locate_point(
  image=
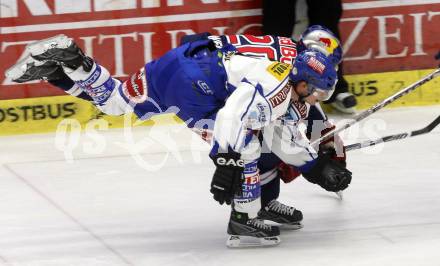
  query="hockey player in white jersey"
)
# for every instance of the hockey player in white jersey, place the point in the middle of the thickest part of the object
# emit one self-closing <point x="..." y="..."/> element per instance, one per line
<point x="271" y="168"/>
<point x="249" y="100"/>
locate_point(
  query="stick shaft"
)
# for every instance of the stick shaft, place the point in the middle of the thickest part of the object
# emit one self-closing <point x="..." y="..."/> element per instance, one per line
<point x="393" y="137"/>
<point x="379" y="106"/>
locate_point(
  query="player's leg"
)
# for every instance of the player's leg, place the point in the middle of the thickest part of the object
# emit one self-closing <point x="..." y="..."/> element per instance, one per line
<point x="279" y="17"/>
<point x="286" y="216"/>
<point x="325" y="13"/>
<point x="341" y="99"/>
<point x="273" y="210"/>
<point x="91" y="78"/>
<point x="328" y="13"/>
<point x="245" y="228"/>
<point x="30" y="69"/>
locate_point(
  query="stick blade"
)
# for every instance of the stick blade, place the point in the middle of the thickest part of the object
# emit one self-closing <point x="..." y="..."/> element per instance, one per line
<point x="428" y="128"/>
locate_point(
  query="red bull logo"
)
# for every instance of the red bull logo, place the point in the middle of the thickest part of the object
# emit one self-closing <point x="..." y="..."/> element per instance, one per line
<point x="330" y="44"/>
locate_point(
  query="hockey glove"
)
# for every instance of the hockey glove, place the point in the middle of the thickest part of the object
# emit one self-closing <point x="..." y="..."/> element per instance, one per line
<point x="329" y="174"/>
<point x="333" y="145"/>
<point x="227" y="180"/>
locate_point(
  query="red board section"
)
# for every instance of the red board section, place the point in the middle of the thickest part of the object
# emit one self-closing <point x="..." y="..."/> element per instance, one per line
<point x="122" y="40"/>
<point x="394" y="38"/>
<point x="125" y="34"/>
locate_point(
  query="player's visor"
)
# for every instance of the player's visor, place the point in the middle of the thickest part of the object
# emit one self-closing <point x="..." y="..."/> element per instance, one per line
<point x="320" y="94"/>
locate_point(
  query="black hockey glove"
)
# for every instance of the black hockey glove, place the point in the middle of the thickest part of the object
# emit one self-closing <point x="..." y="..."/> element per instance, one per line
<point x="227" y="180"/>
<point x="329" y="174"/>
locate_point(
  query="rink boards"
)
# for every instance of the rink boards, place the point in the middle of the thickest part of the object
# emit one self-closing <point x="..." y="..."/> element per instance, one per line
<point x="48" y="114"/>
<point x="378" y="36"/>
<point x="388" y="46"/>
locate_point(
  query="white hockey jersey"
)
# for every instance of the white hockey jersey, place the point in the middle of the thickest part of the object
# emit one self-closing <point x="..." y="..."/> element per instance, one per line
<point x="262" y="95"/>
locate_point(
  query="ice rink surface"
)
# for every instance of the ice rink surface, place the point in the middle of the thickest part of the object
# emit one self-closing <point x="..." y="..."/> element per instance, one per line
<point x="102" y="206"/>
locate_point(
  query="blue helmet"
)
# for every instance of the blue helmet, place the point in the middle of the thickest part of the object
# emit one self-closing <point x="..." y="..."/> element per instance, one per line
<point x="316" y="69"/>
<point x="321" y="39"/>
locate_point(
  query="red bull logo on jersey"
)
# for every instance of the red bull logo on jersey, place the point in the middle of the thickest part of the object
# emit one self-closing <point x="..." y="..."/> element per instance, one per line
<point x="316" y="65"/>
<point x="330" y="44"/>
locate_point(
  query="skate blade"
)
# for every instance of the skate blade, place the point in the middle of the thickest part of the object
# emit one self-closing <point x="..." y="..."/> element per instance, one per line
<point x="60" y="41"/>
<point x="292" y="226"/>
<point x="235" y="241"/>
<point x="340" y="195"/>
<point x="18" y="70"/>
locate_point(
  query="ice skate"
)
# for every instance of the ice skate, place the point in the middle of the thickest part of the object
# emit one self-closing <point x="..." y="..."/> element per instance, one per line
<point x="345" y="102"/>
<point x="288" y="217"/>
<point x="60" y="49"/>
<point x="29" y="69"/>
<point x="245" y="232"/>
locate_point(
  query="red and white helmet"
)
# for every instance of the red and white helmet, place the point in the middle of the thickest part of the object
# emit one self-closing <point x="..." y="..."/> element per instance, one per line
<point x="319" y="38"/>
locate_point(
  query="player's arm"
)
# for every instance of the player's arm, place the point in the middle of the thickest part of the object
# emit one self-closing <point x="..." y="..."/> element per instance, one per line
<point x="62" y="63"/>
<point x="233" y="120"/>
<point x="318" y="125"/>
<point x="317" y="167"/>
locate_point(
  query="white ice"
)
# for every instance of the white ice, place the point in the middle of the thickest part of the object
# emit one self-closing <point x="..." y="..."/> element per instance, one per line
<point x="109" y="209"/>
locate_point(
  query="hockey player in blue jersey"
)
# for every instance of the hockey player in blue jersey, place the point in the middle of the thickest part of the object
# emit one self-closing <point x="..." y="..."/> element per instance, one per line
<point x="240" y="95"/>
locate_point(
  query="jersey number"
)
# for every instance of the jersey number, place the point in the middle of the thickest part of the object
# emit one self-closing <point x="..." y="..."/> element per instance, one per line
<point x="259" y="46"/>
<point x="264" y="46"/>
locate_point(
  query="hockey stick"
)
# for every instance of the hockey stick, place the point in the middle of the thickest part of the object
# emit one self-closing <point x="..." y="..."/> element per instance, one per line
<point x="378" y="106"/>
<point x="404" y="135"/>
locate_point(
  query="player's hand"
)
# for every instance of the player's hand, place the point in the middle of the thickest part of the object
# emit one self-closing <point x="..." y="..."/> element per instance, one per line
<point x="227" y="178"/>
<point x="333" y="146"/>
<point x="328" y="173"/>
